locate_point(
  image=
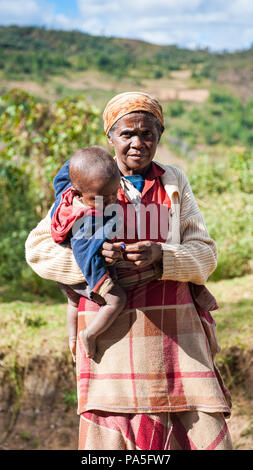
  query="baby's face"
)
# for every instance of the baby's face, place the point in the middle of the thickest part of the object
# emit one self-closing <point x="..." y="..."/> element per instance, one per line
<point x="100" y="194"/>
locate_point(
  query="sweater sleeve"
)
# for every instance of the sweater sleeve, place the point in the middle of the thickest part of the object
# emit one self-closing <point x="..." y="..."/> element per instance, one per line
<point x="195" y="258"/>
<point x="48" y="259"/>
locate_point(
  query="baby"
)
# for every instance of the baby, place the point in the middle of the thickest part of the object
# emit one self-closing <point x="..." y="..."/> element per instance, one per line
<point x="93" y="173"/>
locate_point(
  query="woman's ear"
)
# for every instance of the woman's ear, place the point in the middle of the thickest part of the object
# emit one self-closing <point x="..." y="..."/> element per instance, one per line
<point x="109" y="139"/>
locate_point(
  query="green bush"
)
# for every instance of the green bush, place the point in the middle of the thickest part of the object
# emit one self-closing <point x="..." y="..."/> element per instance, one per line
<point x="222" y="120"/>
<point x="211" y="176"/>
<point x="40" y="137"/>
<point x="175" y="108"/>
<point x="158" y="74"/>
<point x="18" y="217"/>
<point x="229" y="221"/>
<point x="224" y="191"/>
<point x="34" y="63"/>
<point x="36" y="139"/>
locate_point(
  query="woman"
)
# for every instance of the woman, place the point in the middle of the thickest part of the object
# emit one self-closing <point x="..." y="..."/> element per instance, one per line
<point x="154" y="384"/>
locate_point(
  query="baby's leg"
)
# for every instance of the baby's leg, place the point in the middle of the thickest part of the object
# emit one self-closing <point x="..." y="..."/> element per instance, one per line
<point x="115" y="301"/>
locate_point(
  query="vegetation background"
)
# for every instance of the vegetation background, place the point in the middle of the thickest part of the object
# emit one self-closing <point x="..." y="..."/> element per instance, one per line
<point x="53" y="87"/>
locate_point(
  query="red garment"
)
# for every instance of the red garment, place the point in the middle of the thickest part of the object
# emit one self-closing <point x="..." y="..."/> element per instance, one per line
<point x="127" y="431"/>
<point x="66" y="215"/>
<point x="101" y="430"/>
<point x="153" y="194"/>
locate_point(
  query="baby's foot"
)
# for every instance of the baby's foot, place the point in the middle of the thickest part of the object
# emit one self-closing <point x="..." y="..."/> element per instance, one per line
<point x="89" y="343"/>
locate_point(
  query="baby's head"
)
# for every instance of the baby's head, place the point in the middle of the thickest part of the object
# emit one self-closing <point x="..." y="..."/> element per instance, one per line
<point x="93" y="172"/>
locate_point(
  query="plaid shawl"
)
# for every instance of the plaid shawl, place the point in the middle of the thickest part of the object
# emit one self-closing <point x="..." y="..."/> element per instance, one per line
<point x="191" y="430"/>
<point x="157" y="356"/>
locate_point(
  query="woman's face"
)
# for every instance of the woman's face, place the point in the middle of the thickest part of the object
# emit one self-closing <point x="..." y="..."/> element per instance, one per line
<point x="135" y="138"/>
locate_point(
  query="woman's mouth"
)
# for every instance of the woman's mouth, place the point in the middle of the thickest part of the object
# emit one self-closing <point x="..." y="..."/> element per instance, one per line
<point x="136" y="156"/>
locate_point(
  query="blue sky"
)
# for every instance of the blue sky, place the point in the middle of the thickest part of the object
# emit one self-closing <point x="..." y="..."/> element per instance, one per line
<point x="217" y="24"/>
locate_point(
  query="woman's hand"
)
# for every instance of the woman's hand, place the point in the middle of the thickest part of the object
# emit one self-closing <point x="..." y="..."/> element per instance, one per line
<point x="143" y="253"/>
<point x="112" y="252"/>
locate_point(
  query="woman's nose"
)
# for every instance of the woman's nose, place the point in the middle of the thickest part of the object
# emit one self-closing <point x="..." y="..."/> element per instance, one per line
<point x="136" y="141"/>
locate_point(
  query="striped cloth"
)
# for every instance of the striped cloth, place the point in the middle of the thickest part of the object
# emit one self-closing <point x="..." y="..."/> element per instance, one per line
<point x="156" y="357"/>
<point x="100" y="430"/>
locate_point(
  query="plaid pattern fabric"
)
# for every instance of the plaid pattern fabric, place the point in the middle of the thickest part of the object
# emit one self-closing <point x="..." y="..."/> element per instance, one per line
<point x="189" y="430"/>
<point x="156" y="356"/>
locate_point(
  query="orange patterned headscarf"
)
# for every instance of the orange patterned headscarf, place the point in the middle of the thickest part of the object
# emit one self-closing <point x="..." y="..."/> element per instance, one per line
<point x="128" y="102"/>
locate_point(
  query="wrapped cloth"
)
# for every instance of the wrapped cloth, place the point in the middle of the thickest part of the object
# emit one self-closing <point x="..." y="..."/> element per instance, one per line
<point x="129" y="102"/>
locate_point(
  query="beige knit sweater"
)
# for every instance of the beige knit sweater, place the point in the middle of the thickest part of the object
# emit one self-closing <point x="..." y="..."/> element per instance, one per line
<point x="189" y="254"/>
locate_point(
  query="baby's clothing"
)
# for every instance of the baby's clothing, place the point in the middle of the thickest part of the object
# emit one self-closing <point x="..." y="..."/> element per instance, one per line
<point x="85" y="229"/>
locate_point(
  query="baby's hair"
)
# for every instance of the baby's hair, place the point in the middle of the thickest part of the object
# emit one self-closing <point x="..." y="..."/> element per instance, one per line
<point x="91" y="162"/>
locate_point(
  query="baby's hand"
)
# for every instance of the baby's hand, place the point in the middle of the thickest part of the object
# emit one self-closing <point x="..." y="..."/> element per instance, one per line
<point x="72" y="347"/>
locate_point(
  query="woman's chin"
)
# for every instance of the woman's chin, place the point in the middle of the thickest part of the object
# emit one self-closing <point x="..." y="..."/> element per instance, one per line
<point x="138" y="163"/>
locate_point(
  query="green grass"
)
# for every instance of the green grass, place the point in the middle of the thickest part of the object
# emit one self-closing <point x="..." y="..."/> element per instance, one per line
<point x="30" y="329"/>
<point x="228" y="218"/>
<point x="70" y="398"/>
<point x="234" y="316"/>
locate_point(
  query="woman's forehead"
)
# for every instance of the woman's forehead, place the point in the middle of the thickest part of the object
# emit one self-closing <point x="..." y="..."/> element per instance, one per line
<point x="136" y="119"/>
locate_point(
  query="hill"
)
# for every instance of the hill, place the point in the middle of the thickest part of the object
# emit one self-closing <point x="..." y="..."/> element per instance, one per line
<point x="38" y="54"/>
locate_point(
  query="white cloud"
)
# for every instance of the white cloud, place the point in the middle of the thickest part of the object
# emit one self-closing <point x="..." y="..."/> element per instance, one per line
<point x="214" y="23"/>
<point x="97" y="7"/>
<point x="240" y="7"/>
<point x="88" y="7"/>
<point x="25" y="12"/>
<point x="15" y="7"/>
